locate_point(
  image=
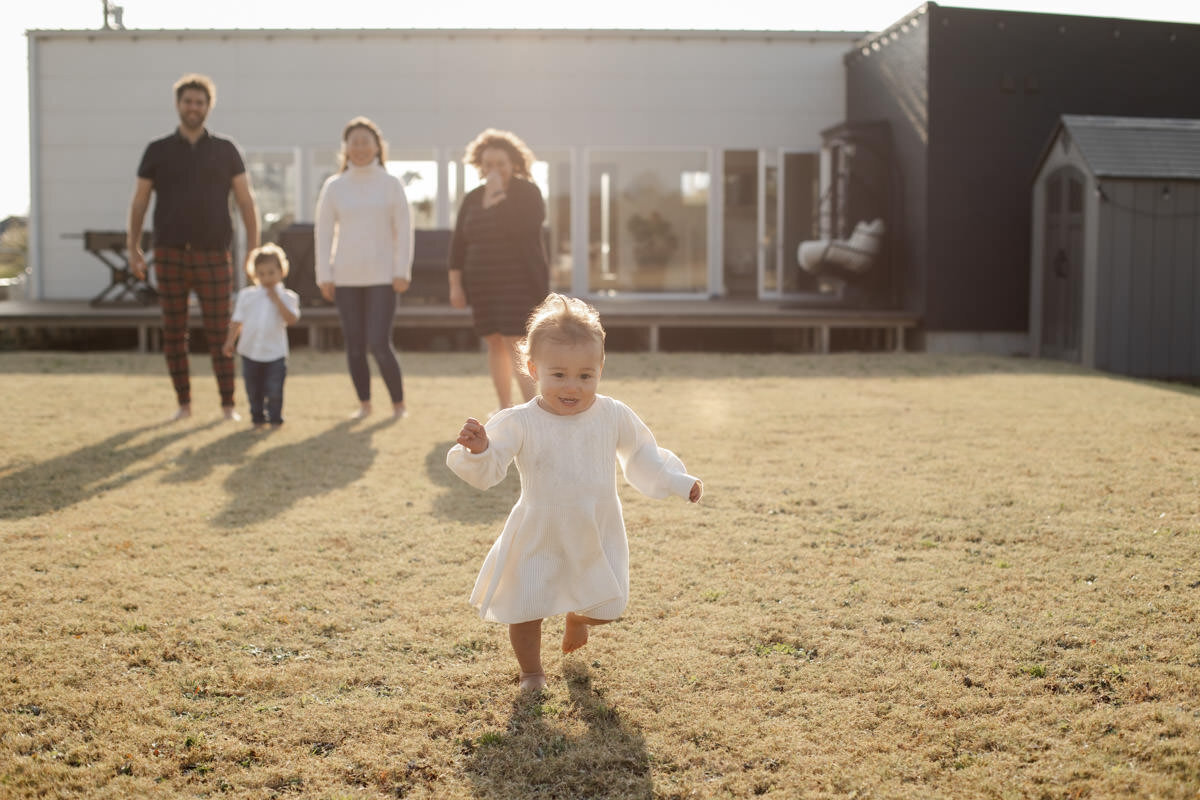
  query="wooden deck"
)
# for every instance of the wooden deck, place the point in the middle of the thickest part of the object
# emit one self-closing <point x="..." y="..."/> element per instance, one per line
<point x="321" y="322"/>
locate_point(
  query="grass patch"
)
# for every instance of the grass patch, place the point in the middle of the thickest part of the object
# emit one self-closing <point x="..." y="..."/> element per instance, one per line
<point x="911" y="576"/>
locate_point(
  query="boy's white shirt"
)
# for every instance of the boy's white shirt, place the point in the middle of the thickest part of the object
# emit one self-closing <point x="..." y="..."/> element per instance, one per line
<point x="264" y="331"/>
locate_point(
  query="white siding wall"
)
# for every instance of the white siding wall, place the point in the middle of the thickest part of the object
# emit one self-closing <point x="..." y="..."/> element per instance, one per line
<point x="98" y="97"/>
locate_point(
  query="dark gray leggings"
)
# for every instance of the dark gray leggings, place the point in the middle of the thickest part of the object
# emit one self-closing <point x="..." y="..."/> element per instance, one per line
<point x="366" y="313"/>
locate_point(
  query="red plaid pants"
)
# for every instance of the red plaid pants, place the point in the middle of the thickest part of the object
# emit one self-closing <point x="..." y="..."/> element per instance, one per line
<point x="209" y="273"/>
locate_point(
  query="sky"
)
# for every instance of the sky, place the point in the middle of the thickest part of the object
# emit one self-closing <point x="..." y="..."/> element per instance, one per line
<point x="856" y="15"/>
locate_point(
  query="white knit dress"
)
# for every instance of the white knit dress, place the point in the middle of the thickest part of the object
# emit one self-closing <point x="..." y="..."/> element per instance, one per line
<point x="563" y="547"/>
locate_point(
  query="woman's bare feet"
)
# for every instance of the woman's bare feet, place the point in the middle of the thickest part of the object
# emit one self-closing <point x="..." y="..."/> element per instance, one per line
<point x="183" y="412"/>
<point x="576" y="634"/>
<point x="533" y="681"/>
<point x="231" y="413"/>
<point x="363" y="412"/>
<point x="399" y="411"/>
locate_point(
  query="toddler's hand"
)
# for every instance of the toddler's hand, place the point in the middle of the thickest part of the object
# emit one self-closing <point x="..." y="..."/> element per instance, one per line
<point x="697" y="491"/>
<point x="473" y="436"/>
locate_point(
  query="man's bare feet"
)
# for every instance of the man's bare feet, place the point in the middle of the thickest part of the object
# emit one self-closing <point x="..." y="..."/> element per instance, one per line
<point x="399" y="411"/>
<point x="533" y="681"/>
<point x="363" y="412"/>
<point x="576" y="634"/>
<point x="231" y="414"/>
<point x="183" y="412"/>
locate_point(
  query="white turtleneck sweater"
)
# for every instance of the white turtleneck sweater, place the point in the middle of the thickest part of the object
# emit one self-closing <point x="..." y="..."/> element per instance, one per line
<point x="364" y="231"/>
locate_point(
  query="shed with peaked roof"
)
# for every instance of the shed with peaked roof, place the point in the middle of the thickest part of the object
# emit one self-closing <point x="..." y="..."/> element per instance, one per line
<point x="1115" y="281"/>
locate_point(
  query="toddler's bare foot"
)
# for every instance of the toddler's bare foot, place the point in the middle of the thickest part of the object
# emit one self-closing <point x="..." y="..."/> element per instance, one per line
<point x="183" y="412"/>
<point x="363" y="412"/>
<point x="533" y="681"/>
<point x="576" y="634"/>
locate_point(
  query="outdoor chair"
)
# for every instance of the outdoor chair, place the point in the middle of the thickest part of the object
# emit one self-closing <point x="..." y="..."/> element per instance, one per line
<point x="430" y="282"/>
<point x="835" y="262"/>
<point x="123" y="286"/>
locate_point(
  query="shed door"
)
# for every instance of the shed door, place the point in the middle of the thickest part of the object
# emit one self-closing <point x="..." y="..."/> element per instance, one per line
<point x="1062" y="274"/>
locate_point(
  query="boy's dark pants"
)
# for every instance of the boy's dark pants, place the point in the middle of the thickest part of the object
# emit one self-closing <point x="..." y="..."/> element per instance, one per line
<point x="264" y="386"/>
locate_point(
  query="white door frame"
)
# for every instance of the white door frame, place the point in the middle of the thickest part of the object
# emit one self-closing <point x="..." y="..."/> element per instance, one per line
<point x="771" y="254"/>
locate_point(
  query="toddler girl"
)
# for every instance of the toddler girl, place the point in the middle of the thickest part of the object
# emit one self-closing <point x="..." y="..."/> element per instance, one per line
<point x="563" y="549"/>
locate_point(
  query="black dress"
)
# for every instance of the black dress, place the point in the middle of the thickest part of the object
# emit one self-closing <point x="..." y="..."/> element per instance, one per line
<point x="502" y="257"/>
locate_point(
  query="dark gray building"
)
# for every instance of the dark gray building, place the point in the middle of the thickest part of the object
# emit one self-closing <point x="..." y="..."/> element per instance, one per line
<point x="970" y="97"/>
<point x="1115" y="282"/>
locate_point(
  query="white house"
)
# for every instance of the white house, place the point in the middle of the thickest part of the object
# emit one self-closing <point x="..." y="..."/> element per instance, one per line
<point x="717" y="133"/>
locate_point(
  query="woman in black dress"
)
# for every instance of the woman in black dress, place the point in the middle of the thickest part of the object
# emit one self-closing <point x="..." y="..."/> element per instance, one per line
<point x="498" y="263"/>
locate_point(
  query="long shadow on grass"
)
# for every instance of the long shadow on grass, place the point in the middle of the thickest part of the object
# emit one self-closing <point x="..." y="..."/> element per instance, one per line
<point x="72" y="478"/>
<point x="463" y="502"/>
<point x="275" y="479"/>
<point x="535" y="759"/>
<point x="198" y="464"/>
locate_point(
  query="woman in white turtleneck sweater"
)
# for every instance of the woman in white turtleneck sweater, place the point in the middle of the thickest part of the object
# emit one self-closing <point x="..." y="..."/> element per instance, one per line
<point x="364" y="253"/>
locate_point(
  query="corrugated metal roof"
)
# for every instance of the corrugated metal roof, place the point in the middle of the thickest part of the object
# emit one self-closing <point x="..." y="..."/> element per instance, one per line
<point x="1137" y="147"/>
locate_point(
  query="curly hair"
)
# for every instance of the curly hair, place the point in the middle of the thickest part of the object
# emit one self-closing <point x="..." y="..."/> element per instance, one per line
<point x="194" y="80"/>
<point x="562" y="320"/>
<point x="518" y="152"/>
<point x="268" y="252"/>
<point x="370" y="127"/>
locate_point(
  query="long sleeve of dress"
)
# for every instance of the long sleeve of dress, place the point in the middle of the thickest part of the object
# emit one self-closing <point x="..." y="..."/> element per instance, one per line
<point x="485" y="470"/>
<point x="402" y="234"/>
<point x="652" y="470"/>
<point x="323" y="235"/>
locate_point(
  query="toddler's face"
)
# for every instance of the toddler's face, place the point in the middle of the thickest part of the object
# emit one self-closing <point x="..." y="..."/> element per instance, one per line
<point x="267" y="273"/>
<point x="567" y="375"/>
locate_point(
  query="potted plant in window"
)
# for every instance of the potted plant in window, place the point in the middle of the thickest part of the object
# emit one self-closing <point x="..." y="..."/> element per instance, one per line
<point x="654" y="239"/>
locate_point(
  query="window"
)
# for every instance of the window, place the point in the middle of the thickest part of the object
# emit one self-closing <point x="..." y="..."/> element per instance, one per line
<point x="420" y="181"/>
<point x="648" y="221"/>
<point x="274" y="181"/>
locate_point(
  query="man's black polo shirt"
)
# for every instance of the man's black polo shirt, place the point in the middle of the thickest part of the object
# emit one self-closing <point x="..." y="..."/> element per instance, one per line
<point x="192" y="185"/>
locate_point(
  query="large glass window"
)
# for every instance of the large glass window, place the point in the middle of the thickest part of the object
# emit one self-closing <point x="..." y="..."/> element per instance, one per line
<point x="789" y="214"/>
<point x="648" y="221"/>
<point x="274" y="180"/>
<point x="324" y="166"/>
<point x="417" y="170"/>
<point x="801" y="200"/>
<point x="740" y="232"/>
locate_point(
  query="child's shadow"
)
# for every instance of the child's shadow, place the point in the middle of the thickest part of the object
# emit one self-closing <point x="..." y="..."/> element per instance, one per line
<point x="535" y="759"/>
<point x="464" y="502"/>
<point x="194" y="465"/>
<point x="89" y="471"/>
<point x="275" y="479"/>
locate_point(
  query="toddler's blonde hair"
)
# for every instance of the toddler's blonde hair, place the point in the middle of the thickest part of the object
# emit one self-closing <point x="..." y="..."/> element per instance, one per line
<point x="268" y="252"/>
<point x="562" y="320"/>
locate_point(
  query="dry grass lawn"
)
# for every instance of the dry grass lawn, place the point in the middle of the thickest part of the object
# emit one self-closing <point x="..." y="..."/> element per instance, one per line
<point x="910" y="577"/>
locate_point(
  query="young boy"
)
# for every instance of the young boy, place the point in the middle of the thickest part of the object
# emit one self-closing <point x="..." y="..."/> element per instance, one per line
<point x="260" y="318"/>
